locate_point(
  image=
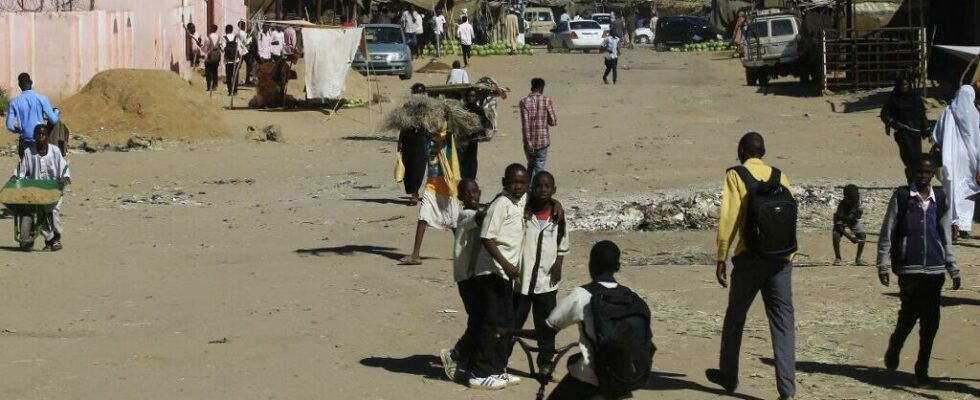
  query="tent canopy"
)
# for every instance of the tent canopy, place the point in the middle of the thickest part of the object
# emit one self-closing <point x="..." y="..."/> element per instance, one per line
<point x="966" y="53"/>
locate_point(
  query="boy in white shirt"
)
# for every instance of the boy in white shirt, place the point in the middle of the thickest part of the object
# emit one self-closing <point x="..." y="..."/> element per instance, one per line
<point x="457" y="75"/>
<point x="465" y="34"/>
<point x="545" y="247"/>
<point x="502" y="236"/>
<point x="466" y="249"/>
<point x="45" y="163"/>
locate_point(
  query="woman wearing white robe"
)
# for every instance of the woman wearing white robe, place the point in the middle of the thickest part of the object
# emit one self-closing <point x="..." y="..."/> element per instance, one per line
<point x="957" y="132"/>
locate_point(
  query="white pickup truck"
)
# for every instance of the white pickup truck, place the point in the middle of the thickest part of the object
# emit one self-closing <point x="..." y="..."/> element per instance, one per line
<point x="777" y="44"/>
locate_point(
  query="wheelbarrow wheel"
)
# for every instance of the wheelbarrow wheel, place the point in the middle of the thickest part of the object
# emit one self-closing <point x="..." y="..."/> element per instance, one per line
<point x="24" y="231"/>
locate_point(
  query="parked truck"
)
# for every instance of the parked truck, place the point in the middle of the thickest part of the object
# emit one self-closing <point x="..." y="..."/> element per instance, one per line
<point x="778" y="43"/>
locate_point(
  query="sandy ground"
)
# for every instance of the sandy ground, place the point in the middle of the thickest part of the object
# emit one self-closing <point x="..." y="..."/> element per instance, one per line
<point x="240" y="270"/>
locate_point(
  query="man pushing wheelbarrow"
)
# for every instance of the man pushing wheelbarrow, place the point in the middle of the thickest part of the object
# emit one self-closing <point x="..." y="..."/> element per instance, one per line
<point x="34" y="193"/>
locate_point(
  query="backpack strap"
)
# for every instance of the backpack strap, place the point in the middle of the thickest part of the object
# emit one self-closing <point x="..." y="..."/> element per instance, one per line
<point x="776" y="177"/>
<point x="750" y="182"/>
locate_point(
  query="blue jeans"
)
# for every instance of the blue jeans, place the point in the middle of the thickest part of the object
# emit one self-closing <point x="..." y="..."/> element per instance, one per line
<point x="536" y="160"/>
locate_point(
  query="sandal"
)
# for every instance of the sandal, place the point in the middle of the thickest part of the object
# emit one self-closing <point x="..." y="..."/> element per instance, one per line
<point x="54" y="246"/>
<point x="408" y="260"/>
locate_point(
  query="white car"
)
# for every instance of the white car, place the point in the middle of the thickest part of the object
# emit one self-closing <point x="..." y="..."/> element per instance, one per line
<point x="643" y="35"/>
<point x="585" y="35"/>
<point x="604" y="20"/>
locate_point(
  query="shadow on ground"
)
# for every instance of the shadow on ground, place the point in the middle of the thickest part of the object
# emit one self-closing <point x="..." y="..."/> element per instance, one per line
<point x="789" y="89"/>
<point x="424" y="365"/>
<point x="664" y="381"/>
<point x="402" y="202"/>
<point x="947" y="301"/>
<point x="351" y="249"/>
<point x="883" y="378"/>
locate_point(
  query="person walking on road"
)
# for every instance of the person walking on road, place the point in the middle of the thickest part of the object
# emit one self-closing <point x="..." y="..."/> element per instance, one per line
<point x="465" y="34"/>
<point x="610" y="51"/>
<point x="905" y="114"/>
<point x="26" y="111"/>
<point x="915" y="242"/>
<point x="756" y="199"/>
<point x="537" y="115"/>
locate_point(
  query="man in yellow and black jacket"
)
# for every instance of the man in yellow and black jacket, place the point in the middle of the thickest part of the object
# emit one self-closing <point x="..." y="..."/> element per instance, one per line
<point x="753" y="272"/>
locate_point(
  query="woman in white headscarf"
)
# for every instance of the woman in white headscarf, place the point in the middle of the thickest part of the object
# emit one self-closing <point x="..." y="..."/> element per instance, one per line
<point x="957" y="133"/>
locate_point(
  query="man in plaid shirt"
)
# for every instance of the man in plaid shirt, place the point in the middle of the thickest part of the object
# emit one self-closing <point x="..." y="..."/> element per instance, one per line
<point x="537" y="114"/>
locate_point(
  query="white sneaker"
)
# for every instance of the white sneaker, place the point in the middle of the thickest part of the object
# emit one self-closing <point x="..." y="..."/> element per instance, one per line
<point x="511" y="380"/>
<point x="448" y="357"/>
<point x="492" y="382"/>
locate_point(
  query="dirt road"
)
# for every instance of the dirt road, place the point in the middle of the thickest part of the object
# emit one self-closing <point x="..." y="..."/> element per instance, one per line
<point x="240" y="270"/>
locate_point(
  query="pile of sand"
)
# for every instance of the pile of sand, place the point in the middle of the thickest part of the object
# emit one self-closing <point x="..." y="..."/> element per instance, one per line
<point x="120" y="103"/>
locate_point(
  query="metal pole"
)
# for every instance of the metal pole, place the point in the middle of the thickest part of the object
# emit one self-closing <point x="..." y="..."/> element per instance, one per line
<point x="823" y="54"/>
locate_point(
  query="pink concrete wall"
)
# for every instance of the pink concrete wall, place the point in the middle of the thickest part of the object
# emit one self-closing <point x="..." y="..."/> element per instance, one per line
<point x="62" y="51"/>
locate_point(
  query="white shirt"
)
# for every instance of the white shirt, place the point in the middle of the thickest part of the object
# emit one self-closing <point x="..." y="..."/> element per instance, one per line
<point x="265" y="45"/>
<point x="465" y="33"/>
<point x="229" y="38"/>
<point x="505" y="224"/>
<point x="466" y="246"/>
<point x="278" y="41"/>
<point x="610" y="47"/>
<point x="407" y="22"/>
<point x="543" y="257"/>
<point x="924" y="203"/>
<point x="438" y="24"/>
<point x="572" y="310"/>
<point x="51" y="166"/>
<point x="419" y="24"/>
<point x="458" y="76"/>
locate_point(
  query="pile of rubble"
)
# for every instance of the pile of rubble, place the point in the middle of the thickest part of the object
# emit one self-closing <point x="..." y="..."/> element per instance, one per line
<point x="697" y="209"/>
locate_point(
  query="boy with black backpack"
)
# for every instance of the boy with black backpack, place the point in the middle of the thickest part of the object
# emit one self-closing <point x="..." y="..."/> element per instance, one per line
<point x="762" y="262"/>
<point x="615" y="337"/>
<point x="916" y="241"/>
<point x="233" y="49"/>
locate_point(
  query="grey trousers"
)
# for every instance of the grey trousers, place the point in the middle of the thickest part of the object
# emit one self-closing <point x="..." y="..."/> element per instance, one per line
<point x="773" y="278"/>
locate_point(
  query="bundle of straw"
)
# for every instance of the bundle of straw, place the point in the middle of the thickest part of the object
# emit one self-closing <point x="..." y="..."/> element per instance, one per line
<point x="427" y="114"/>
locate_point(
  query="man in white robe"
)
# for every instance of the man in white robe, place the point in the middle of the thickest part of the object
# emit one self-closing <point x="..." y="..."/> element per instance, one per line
<point x="957" y="132"/>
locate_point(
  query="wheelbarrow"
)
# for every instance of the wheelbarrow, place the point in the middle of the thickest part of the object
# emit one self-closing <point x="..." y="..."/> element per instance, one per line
<point x="31" y="212"/>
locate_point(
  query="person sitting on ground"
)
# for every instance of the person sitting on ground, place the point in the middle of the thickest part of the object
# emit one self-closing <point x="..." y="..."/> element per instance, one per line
<point x="578" y="309"/>
<point x="919" y="253"/>
<point x="848" y="218"/>
<point x="457" y="75"/>
<point x="466" y="249"/>
<point x="545" y="247"/>
<point x="45" y="163"/>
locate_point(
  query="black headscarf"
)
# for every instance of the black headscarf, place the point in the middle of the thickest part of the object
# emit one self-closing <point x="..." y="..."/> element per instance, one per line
<point x="906" y="107"/>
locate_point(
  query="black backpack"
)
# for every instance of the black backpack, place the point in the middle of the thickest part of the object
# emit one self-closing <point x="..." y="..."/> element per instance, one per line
<point x="214" y="52"/>
<point x="231" y="50"/>
<point x="769" y="229"/>
<point x="623" y="340"/>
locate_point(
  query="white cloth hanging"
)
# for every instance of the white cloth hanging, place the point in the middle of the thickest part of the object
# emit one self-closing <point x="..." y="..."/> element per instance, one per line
<point x="328" y="54"/>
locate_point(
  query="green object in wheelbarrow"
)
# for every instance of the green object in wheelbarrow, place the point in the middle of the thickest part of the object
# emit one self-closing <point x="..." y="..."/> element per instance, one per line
<point x="44" y="195"/>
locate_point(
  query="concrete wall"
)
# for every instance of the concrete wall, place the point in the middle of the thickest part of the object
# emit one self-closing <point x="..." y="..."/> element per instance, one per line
<point x="63" y="50"/>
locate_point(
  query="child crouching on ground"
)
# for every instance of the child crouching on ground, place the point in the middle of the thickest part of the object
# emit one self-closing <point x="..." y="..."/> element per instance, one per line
<point x="848" y="218"/>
